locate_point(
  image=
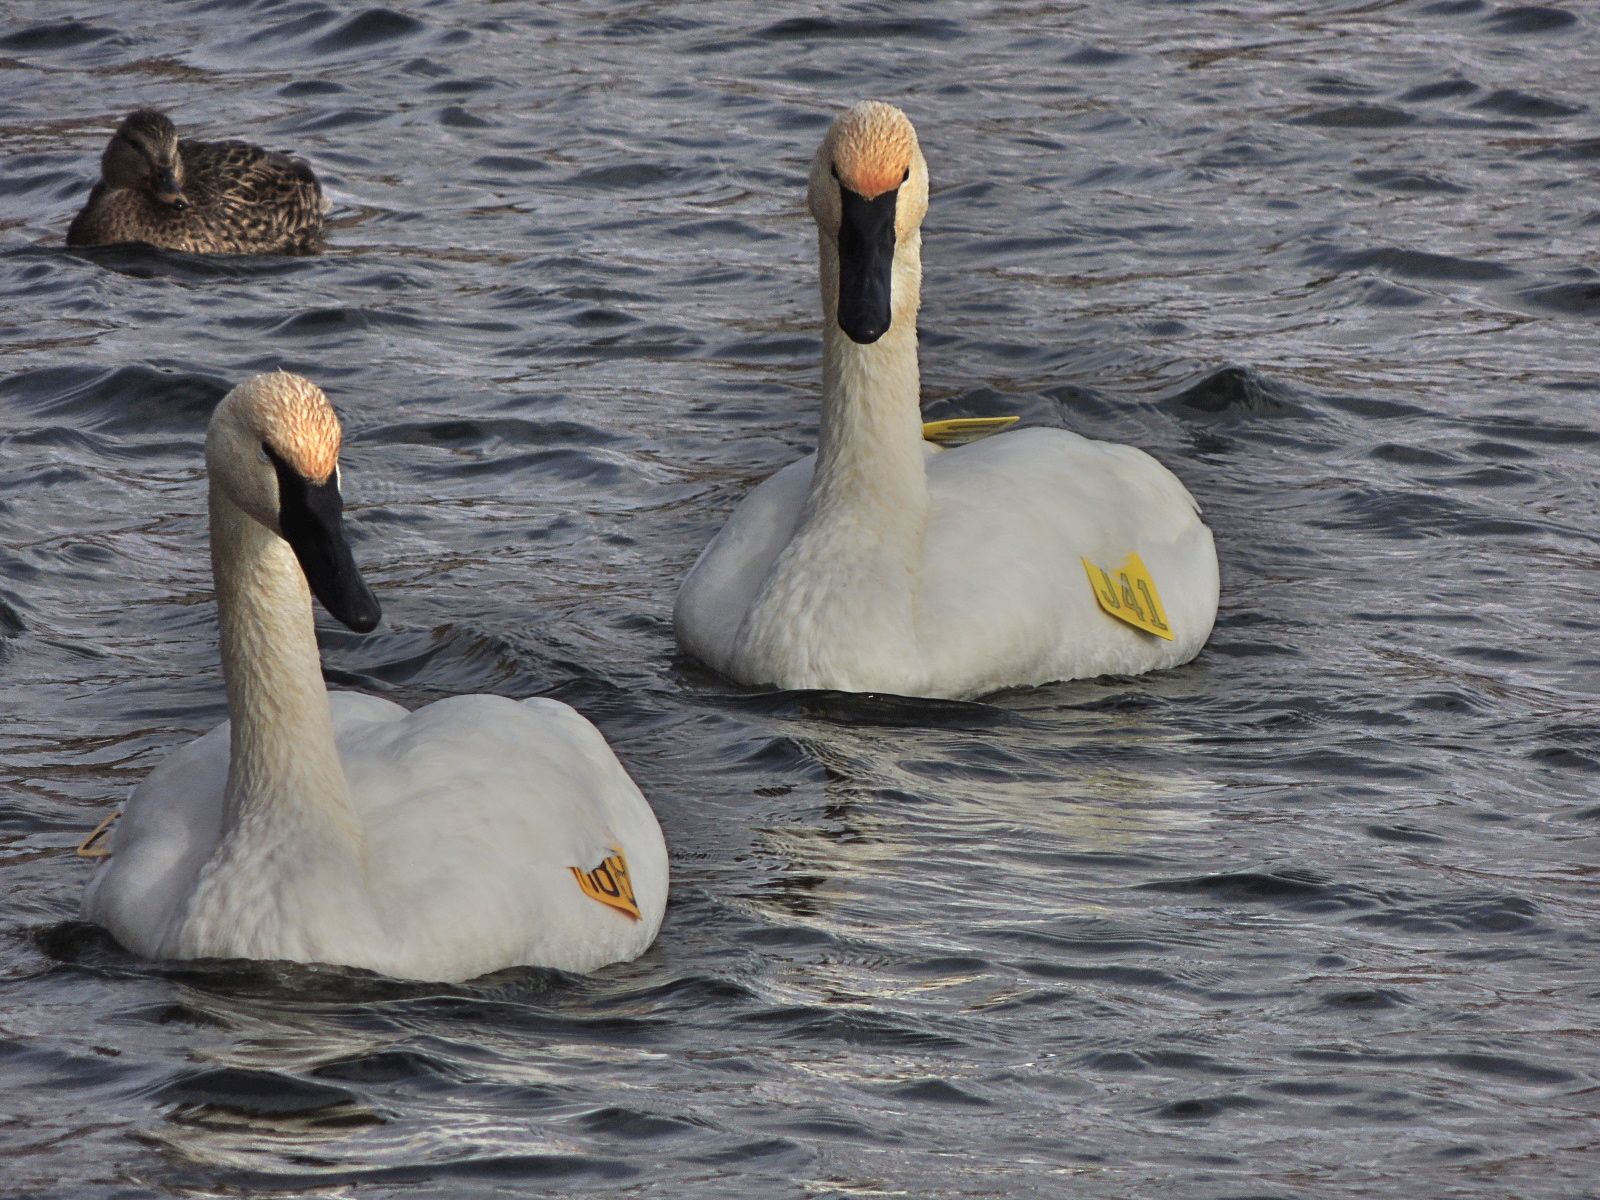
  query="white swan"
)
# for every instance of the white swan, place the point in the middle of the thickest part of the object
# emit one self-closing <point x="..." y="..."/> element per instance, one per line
<point x="883" y="563"/>
<point x="473" y="834"/>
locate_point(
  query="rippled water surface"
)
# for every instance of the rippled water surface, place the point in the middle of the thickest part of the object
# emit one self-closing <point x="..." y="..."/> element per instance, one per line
<point x="1312" y="916"/>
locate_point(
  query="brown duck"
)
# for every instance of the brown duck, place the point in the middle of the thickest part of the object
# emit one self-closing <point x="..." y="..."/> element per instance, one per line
<point x="204" y="197"/>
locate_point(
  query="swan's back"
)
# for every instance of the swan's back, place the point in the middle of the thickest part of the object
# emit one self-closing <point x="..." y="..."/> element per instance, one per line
<point x="475" y="809"/>
<point x="1005" y="598"/>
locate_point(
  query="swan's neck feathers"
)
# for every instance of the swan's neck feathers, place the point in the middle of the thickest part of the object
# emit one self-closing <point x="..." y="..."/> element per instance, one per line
<point x="842" y="597"/>
<point x="284" y="777"/>
<point x="869" y="439"/>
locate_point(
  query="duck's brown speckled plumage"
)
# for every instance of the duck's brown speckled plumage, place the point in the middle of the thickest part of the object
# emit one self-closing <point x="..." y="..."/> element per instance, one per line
<point x="240" y="198"/>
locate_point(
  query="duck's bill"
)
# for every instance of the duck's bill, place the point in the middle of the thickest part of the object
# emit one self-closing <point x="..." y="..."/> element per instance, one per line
<point x="866" y="264"/>
<point x="169" y="191"/>
<point x="311" y="520"/>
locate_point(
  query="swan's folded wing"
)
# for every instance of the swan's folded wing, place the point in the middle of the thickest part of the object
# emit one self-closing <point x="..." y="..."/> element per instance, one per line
<point x="1005" y="594"/>
<point x="479" y="807"/>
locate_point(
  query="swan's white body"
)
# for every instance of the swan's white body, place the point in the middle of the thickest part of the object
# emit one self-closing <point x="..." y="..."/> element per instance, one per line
<point x="885" y="564"/>
<point x="435" y="844"/>
<point x="996" y="595"/>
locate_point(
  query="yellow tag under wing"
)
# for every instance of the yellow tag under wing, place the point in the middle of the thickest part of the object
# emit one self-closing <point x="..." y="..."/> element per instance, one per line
<point x="1129" y="594"/>
<point x="609" y="883"/>
<point x="958" y="431"/>
<point x="94" y="845"/>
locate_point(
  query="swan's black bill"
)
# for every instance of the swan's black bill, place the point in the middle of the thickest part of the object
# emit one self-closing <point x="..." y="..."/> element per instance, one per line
<point x="311" y="519"/>
<point x="866" y="264"/>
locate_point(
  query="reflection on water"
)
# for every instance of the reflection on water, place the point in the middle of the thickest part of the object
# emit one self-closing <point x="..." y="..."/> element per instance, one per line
<point x="1334" y="269"/>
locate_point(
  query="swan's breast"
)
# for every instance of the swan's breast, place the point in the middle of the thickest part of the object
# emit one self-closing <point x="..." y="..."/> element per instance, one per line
<point x="726" y="579"/>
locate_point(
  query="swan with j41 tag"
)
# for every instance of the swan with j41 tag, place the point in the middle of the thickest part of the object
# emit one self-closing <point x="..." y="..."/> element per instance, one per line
<point x="886" y="562"/>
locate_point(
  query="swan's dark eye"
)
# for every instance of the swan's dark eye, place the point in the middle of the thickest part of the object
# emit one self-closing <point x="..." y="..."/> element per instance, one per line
<point x="834" y="171"/>
<point x="265" y="453"/>
<point x="906" y="176"/>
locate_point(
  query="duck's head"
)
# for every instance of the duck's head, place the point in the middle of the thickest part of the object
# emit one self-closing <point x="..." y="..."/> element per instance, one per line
<point x="273" y="448"/>
<point x="869" y="193"/>
<point x="143" y="156"/>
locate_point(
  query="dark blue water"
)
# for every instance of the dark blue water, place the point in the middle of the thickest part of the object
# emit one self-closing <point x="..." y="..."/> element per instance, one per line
<point x="1313" y="916"/>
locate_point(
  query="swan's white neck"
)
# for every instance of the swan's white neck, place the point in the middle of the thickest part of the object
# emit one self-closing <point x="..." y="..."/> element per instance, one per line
<point x="842" y="596"/>
<point x="869" y="440"/>
<point x="284" y="777"/>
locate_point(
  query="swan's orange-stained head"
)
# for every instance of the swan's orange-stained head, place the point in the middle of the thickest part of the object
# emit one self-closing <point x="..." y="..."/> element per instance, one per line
<point x="873" y="148"/>
<point x="295" y="419"/>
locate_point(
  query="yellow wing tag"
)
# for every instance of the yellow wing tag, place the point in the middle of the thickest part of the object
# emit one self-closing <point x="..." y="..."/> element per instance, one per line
<point x="1130" y="595"/>
<point x="609" y="884"/>
<point x="958" y="431"/>
<point x="92" y="846"/>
